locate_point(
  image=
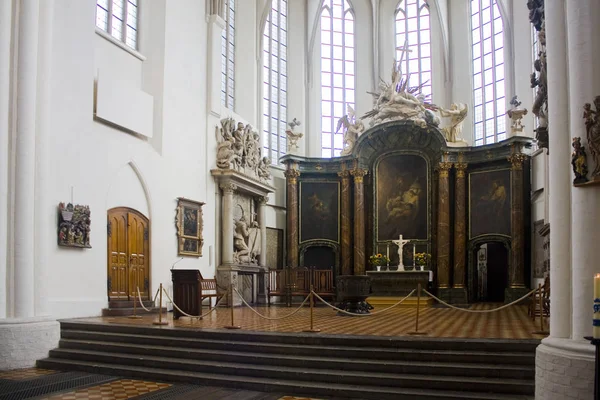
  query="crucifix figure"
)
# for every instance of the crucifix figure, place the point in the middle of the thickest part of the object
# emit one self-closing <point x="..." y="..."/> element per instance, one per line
<point x="403" y="50"/>
<point x="400" y="243"/>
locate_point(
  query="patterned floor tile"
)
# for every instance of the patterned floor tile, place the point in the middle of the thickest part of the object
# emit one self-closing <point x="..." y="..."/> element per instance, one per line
<point x="296" y="398"/>
<point x="121" y="389"/>
<point x="26" y="373"/>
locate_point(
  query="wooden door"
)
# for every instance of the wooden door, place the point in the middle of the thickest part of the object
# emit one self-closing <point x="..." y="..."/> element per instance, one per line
<point x="128" y="252"/>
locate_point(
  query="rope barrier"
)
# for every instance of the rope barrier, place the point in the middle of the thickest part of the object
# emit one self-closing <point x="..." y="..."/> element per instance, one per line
<point x="140" y="298"/>
<point x="193" y="316"/>
<point x="480" y="311"/>
<point x="271" y="318"/>
<point x="362" y="315"/>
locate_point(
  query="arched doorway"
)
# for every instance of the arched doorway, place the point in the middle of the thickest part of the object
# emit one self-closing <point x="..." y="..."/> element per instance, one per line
<point x="128" y="234"/>
<point x="491" y="271"/>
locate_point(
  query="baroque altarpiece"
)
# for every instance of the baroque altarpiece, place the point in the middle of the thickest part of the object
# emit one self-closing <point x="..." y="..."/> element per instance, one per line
<point x="402" y="178"/>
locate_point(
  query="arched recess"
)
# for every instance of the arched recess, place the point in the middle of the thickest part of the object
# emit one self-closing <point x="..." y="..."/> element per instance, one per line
<point x="472" y="246"/>
<point x="326" y="245"/>
<point x="128" y="234"/>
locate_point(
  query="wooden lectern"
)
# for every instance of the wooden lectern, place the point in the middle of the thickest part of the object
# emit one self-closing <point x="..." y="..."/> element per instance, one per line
<point x="187" y="291"/>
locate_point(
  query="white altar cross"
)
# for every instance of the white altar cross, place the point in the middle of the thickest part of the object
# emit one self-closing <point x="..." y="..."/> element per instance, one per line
<point x="400" y="243"/>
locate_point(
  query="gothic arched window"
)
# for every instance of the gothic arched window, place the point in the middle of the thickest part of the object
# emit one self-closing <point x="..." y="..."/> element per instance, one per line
<point x="413" y="38"/>
<point x="228" y="56"/>
<point x="337" y="71"/>
<point x="274" y="106"/>
<point x="488" y="72"/>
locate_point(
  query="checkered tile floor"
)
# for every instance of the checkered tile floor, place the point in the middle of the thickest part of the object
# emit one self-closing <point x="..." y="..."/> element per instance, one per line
<point x="120" y="389"/>
<point x="26" y="373"/>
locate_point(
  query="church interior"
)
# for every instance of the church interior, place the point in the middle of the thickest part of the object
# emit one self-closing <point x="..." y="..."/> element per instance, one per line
<point x="299" y="199"/>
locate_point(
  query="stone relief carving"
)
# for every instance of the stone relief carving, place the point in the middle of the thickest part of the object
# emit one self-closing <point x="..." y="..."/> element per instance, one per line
<point x="246" y="240"/>
<point x="592" y="125"/>
<point x="238" y="148"/>
<point x="352" y="130"/>
<point x="293" y="137"/>
<point x="539" y="76"/>
<point x="457" y="114"/>
<point x="74" y="225"/>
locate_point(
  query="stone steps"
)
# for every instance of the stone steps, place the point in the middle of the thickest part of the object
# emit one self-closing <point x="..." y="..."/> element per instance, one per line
<point x="364" y="367"/>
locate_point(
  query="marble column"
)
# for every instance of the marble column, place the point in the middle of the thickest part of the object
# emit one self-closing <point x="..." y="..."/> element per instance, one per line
<point x="24" y="202"/>
<point x="443" y="231"/>
<point x="346" y="224"/>
<point x="516" y="266"/>
<point x="262" y="222"/>
<point x="359" y="221"/>
<point x="459" y="292"/>
<point x="227" y="222"/>
<point x="292" y="175"/>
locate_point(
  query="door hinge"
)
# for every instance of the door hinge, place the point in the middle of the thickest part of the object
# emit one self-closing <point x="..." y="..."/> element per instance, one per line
<point x="109" y="228"/>
<point x="109" y="283"/>
<point x="146" y="233"/>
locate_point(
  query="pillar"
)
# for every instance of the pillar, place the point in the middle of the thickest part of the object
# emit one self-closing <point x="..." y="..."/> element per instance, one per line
<point x="262" y="222"/>
<point x="227" y="222"/>
<point x="346" y="221"/>
<point x="24" y="203"/>
<point x="216" y="24"/>
<point x="459" y="292"/>
<point x="516" y="266"/>
<point x="443" y="231"/>
<point x="359" y="220"/>
<point x="292" y="175"/>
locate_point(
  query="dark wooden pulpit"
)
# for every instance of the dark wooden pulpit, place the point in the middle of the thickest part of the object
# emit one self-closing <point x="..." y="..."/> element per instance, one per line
<point x="187" y="291"/>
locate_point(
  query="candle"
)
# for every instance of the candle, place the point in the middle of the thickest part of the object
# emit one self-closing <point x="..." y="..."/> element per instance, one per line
<point x="414" y="253"/>
<point x="387" y="251"/>
<point x="596" y="320"/>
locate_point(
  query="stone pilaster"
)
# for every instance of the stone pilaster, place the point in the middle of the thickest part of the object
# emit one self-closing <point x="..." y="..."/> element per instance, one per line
<point x="516" y="268"/>
<point x="443" y="231"/>
<point x="227" y="222"/>
<point x="359" y="220"/>
<point x="459" y="292"/>
<point x="292" y="175"/>
<point x="346" y="250"/>
<point x="263" y="276"/>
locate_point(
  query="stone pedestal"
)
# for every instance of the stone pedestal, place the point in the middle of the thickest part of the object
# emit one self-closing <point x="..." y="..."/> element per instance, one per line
<point x="352" y="291"/>
<point x="246" y="279"/>
<point x="397" y="283"/>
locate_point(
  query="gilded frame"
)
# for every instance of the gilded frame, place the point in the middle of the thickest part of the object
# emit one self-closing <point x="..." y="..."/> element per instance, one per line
<point x="189" y="223"/>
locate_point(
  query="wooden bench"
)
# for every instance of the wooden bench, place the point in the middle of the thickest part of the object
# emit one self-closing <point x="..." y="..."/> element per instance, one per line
<point x="290" y="282"/>
<point x="209" y="290"/>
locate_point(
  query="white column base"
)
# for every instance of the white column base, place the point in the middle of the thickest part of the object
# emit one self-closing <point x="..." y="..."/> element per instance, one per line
<point x="564" y="369"/>
<point x="23" y="341"/>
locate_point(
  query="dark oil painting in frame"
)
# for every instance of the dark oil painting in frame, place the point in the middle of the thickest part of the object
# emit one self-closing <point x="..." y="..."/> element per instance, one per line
<point x="189" y="224"/>
<point x="401" y="197"/>
<point x="489" y="202"/>
<point x="319" y="205"/>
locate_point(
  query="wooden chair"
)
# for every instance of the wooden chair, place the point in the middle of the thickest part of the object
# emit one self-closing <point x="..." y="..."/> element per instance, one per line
<point x="209" y="290"/>
<point x="534" y="305"/>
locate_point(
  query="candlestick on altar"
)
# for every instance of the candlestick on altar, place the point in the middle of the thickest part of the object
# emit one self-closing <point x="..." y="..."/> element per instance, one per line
<point x="387" y="254"/>
<point x="596" y="318"/>
<point x="414" y="258"/>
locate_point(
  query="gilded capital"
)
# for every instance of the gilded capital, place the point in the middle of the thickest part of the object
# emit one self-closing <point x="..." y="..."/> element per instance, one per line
<point x="344" y="174"/>
<point x="228" y="187"/>
<point x="444" y="167"/>
<point x="460" y="169"/>
<point x="359" y="174"/>
<point x="292" y="176"/>
<point x="517" y="160"/>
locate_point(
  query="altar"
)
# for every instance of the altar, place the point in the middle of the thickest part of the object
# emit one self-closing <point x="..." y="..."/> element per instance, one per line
<point x="398" y="283"/>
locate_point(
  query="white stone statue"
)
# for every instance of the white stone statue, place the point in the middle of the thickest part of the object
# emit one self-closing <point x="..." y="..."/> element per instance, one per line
<point x="246" y="241"/>
<point x="400" y="243"/>
<point x="516" y="115"/>
<point x="352" y="130"/>
<point x="293" y="137"/>
<point x="238" y="148"/>
<point x="457" y="113"/>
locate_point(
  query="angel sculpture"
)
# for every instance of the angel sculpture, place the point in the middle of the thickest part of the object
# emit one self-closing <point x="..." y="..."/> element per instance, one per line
<point x="516" y="114"/>
<point x="457" y="114"/>
<point x="292" y="136"/>
<point x="352" y="130"/>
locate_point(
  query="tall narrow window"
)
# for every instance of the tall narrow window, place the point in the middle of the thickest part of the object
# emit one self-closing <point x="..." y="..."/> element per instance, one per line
<point x="275" y="81"/>
<point x="488" y="72"/>
<point x="227" y="56"/>
<point x="413" y="43"/>
<point x="118" y="18"/>
<point x="337" y="71"/>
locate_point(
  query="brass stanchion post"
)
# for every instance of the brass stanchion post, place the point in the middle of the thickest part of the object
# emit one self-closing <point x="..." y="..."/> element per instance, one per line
<point x="232" y="326"/>
<point x="135" y="299"/>
<point x="160" y="321"/>
<point x="312" y="303"/>
<point x="542" y="331"/>
<point x="416" y="332"/>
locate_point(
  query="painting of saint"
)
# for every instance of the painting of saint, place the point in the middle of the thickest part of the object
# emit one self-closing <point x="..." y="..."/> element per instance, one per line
<point x="489" y="195"/>
<point x="190" y="222"/>
<point x="319" y="205"/>
<point x="401" y="197"/>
